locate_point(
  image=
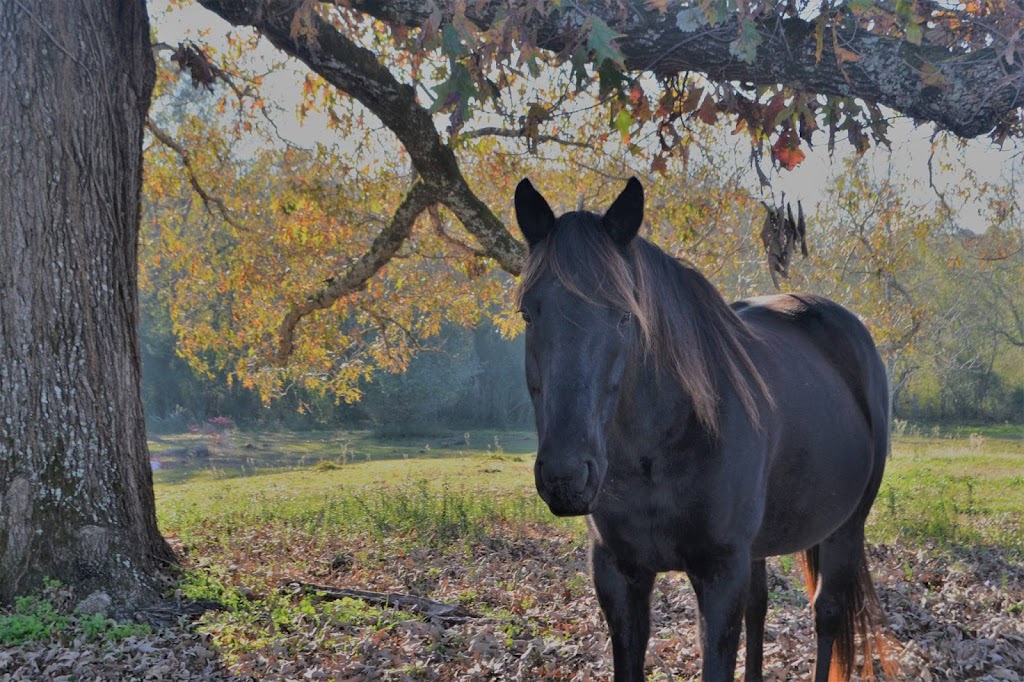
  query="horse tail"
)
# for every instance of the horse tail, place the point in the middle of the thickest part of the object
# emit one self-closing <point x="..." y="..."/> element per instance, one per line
<point x="863" y="623"/>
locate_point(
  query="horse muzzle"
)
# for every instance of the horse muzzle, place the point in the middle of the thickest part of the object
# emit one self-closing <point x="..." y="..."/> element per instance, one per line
<point x="567" y="484"/>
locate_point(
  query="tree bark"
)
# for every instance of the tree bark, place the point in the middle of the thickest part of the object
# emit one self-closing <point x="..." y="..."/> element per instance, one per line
<point x="76" y="493"/>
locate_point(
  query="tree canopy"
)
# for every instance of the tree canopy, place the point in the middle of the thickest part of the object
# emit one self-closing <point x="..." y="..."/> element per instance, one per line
<point x="475" y="95"/>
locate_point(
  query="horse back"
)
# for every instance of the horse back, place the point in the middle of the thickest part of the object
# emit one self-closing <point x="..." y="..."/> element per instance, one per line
<point x="836" y="333"/>
<point x="832" y="408"/>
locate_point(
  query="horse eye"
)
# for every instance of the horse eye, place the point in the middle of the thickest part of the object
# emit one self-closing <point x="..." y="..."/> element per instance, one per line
<point x="526" y="316"/>
<point x="625" y="319"/>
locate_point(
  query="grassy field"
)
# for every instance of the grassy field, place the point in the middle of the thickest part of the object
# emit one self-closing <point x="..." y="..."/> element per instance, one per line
<point x="457" y="519"/>
<point x="966" y="488"/>
<point x="259" y="517"/>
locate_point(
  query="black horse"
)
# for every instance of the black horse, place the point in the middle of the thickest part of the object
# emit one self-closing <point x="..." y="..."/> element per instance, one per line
<point x="701" y="437"/>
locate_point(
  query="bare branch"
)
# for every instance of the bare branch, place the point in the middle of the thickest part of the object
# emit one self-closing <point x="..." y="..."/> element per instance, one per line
<point x="359" y="272"/>
<point x="213" y="203"/>
<point x="449" y="614"/>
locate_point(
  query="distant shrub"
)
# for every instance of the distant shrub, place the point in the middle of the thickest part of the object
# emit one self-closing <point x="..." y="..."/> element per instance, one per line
<point x="326" y="465"/>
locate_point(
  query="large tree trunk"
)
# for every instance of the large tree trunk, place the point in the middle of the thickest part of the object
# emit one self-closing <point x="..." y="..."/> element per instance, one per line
<point x="76" y="493"/>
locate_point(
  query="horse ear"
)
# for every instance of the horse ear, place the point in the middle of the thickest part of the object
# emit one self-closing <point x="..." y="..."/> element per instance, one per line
<point x="623" y="218"/>
<point x="536" y="220"/>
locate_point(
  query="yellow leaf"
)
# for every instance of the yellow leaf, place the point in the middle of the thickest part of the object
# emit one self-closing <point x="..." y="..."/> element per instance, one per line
<point x="932" y="76"/>
<point x="819" y="38"/>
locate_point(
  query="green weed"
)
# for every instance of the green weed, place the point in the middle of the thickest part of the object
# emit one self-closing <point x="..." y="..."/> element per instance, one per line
<point x="95" y="626"/>
<point x="210" y="583"/>
<point x="36" y="618"/>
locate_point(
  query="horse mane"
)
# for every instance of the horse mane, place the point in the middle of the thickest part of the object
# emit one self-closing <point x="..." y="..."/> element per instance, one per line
<point x="687" y="329"/>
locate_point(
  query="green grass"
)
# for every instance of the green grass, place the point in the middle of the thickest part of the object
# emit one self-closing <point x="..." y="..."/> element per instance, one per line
<point x="420" y="512"/>
<point x="1005" y="431"/>
<point x="452" y="489"/>
<point x="948" y="489"/>
<point x="447" y="498"/>
<point x="965" y="490"/>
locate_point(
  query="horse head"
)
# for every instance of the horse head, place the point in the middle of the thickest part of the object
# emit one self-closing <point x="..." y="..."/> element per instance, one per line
<point x="578" y="301"/>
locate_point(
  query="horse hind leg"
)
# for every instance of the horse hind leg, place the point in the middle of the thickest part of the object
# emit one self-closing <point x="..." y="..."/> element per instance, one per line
<point x="757" y="609"/>
<point x="846" y="609"/>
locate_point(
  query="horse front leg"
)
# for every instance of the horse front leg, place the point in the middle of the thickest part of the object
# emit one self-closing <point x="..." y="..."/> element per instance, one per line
<point x="721" y="588"/>
<point x="625" y="598"/>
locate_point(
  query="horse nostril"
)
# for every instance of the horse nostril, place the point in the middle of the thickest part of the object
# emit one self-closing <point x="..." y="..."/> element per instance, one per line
<point x="568" y="476"/>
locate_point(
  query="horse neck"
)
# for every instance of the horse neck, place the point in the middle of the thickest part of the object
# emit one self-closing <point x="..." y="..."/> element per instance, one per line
<point x="651" y="404"/>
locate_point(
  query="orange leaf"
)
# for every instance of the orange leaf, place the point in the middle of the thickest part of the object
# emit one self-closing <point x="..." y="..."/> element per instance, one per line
<point x="790" y="157"/>
<point x="843" y="55"/>
<point x="786" y="150"/>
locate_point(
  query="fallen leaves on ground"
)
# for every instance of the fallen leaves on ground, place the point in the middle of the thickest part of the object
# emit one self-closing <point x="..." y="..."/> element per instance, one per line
<point x="956" y="614"/>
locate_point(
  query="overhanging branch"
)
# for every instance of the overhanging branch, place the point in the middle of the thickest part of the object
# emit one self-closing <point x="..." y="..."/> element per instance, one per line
<point x="356" y="71"/>
<point x="966" y="91"/>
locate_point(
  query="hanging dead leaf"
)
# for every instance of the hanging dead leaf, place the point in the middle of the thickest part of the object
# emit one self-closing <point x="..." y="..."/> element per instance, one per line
<point x="780" y="235"/>
<point x="190" y="58"/>
<point x="707" y="112"/>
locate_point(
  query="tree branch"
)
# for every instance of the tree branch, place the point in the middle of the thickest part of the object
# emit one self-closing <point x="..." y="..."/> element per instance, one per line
<point x="449" y="614"/>
<point x="210" y="201"/>
<point x="435" y="220"/>
<point x="366" y="266"/>
<point x="356" y="71"/>
<point x="493" y="131"/>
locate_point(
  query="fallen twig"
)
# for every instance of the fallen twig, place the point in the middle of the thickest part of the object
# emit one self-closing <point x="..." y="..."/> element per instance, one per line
<point x="448" y="614"/>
